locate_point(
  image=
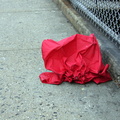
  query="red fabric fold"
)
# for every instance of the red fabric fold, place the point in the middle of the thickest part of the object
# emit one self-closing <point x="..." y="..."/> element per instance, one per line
<point x="74" y="59"/>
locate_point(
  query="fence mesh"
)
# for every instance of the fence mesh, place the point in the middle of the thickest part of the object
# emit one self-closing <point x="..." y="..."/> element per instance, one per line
<point x="103" y="13"/>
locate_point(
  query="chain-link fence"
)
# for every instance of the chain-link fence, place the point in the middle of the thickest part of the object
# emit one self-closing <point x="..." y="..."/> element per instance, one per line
<point x="103" y="13"/>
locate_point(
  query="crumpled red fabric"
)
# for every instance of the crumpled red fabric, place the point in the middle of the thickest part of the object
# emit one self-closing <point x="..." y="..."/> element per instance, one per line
<point x="74" y="59"/>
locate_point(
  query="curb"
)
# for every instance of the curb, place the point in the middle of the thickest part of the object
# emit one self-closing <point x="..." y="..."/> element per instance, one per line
<point x="110" y="53"/>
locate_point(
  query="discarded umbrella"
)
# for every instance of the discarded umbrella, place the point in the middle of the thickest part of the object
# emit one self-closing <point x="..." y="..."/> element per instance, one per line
<point x="74" y="59"/>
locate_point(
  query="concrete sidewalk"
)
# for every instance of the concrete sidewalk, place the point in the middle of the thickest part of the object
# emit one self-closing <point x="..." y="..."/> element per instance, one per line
<point x="24" y="24"/>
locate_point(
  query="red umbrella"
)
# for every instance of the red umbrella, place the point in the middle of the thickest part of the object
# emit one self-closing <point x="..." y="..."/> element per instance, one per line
<point x="73" y="59"/>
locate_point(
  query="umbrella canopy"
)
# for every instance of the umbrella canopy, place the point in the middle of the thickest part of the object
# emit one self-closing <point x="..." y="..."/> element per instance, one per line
<point x="74" y="59"/>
